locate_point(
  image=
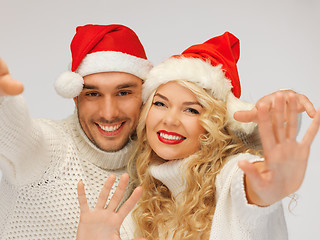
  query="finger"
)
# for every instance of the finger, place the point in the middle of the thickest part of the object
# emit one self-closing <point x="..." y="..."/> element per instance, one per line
<point x="118" y="195"/>
<point x="292" y="122"/>
<point x="9" y="86"/>
<point x="250" y="171"/>
<point x="130" y="203"/>
<point x="266" y="100"/>
<point x="246" y="116"/>
<point x="4" y="70"/>
<point x="82" y="197"/>
<point x="304" y="104"/>
<point x="105" y="191"/>
<point x="312" y="130"/>
<point x="279" y="119"/>
<point x="265" y="129"/>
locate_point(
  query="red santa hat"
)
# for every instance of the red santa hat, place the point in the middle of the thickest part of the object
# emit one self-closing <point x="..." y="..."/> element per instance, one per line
<point x="211" y="65"/>
<point x="102" y="48"/>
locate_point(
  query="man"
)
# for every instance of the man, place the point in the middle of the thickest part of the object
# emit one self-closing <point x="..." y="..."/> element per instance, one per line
<point x="42" y="161"/>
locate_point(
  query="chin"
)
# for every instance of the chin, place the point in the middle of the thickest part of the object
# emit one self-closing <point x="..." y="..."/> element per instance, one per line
<point x="110" y="147"/>
<point x="170" y="157"/>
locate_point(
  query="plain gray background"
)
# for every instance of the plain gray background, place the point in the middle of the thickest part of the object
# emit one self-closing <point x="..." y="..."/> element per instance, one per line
<point x="279" y="49"/>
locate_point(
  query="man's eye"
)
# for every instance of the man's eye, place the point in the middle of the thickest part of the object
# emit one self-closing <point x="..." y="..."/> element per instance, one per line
<point x="192" y="110"/>
<point x="92" y="94"/>
<point x="159" y="104"/>
<point x="123" y="93"/>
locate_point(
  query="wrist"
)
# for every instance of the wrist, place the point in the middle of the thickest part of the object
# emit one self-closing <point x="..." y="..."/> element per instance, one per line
<point x="252" y="197"/>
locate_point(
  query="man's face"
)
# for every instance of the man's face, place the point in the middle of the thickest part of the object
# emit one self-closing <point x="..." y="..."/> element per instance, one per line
<point x="109" y="107"/>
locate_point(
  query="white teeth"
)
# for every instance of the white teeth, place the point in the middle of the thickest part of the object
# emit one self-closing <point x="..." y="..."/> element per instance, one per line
<point x="110" y="129"/>
<point x="170" y="137"/>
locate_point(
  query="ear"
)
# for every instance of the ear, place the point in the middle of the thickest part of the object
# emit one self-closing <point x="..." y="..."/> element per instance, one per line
<point x="75" y="99"/>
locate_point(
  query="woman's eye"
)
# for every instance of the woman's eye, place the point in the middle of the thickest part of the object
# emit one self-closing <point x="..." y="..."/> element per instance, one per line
<point x="193" y="111"/>
<point x="159" y="104"/>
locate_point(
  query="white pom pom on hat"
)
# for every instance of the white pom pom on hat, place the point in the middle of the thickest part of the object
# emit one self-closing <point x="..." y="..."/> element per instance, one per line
<point x="102" y="48"/>
<point x="69" y="84"/>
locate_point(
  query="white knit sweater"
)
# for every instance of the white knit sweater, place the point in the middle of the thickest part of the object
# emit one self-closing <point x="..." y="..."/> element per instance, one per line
<point x="42" y="162"/>
<point x="234" y="218"/>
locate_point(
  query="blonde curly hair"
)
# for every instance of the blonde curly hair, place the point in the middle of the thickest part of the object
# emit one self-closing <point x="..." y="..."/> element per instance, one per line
<point x="158" y="212"/>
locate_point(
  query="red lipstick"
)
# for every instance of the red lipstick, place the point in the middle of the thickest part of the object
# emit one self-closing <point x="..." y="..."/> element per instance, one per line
<point x="170" y="137"/>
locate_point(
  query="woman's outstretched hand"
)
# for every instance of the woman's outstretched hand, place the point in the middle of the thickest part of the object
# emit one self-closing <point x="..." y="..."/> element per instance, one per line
<point x="103" y="222"/>
<point x="283" y="170"/>
<point x="303" y="104"/>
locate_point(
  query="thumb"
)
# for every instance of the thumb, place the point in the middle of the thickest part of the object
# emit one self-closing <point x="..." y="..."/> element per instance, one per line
<point x="9" y="86"/>
<point x="3" y="68"/>
<point x="250" y="171"/>
<point x="246" y="116"/>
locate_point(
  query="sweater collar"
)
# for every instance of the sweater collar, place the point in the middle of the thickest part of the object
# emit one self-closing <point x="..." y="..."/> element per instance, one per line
<point x="170" y="174"/>
<point x="89" y="152"/>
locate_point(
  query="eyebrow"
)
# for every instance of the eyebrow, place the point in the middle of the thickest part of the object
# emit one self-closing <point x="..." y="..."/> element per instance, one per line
<point x="121" y="86"/>
<point x="89" y="86"/>
<point x="160" y="95"/>
<point x="127" y="85"/>
<point x="184" y="103"/>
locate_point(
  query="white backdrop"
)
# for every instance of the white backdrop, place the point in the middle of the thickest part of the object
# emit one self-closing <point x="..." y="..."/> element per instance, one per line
<point x="279" y="49"/>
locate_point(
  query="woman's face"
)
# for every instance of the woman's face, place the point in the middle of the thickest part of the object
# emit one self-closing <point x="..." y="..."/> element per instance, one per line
<point x="172" y="125"/>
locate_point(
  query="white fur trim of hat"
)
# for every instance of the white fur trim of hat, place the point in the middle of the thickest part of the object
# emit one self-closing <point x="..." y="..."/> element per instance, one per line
<point x="205" y="75"/>
<point x="69" y="84"/>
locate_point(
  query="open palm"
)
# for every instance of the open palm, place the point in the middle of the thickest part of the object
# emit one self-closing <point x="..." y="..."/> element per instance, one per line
<point x="103" y="222"/>
<point x="283" y="170"/>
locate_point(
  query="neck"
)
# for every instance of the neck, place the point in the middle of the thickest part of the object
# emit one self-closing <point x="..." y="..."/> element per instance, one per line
<point x="91" y="153"/>
<point x="170" y="174"/>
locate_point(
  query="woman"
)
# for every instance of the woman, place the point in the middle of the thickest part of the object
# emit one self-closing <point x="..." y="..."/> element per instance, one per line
<point x="199" y="180"/>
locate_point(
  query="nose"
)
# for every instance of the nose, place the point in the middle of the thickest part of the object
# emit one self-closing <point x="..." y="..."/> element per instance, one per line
<point x="172" y="117"/>
<point x="109" y="108"/>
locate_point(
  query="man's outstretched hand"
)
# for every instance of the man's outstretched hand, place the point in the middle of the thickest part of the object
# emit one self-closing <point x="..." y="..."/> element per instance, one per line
<point x="8" y="85"/>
